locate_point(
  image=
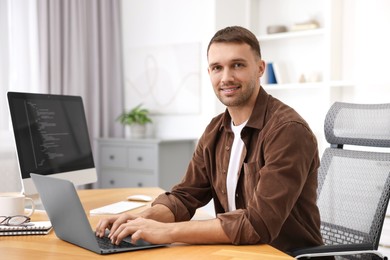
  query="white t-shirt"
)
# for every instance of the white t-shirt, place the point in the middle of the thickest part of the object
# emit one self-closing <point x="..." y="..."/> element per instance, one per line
<point x="234" y="164"/>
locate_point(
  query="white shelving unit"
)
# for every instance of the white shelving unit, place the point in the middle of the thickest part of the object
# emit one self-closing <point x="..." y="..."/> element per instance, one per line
<point x="310" y="54"/>
<point x="290" y="35"/>
<point x="308" y="85"/>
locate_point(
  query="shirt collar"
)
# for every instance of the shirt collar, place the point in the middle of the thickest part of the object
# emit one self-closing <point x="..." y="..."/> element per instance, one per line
<point x="256" y="120"/>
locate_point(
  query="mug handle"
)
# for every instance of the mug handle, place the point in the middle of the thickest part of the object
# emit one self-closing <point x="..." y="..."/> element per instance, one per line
<point x="31" y="211"/>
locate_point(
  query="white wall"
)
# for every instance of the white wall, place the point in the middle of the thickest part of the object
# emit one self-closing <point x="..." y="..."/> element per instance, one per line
<point x="164" y="23"/>
<point x="366" y="51"/>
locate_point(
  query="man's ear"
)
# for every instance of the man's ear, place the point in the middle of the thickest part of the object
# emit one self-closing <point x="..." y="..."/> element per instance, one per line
<point x="261" y="66"/>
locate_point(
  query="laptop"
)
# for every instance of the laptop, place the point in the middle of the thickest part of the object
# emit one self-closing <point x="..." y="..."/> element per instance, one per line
<point x="70" y="223"/>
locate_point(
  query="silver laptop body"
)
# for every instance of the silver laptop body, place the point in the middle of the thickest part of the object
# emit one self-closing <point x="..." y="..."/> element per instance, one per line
<point x="66" y="213"/>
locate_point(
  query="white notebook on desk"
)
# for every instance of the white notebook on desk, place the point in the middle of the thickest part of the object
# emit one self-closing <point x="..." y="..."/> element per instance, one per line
<point x="31" y="228"/>
<point x="116" y="208"/>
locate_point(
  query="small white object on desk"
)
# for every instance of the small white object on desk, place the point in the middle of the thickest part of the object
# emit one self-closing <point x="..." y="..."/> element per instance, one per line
<point x="139" y="197"/>
<point x="116" y="208"/>
<point x="31" y="228"/>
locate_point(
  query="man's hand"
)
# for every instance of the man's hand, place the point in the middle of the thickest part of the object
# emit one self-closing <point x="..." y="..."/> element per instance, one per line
<point x="140" y="228"/>
<point x="156" y="225"/>
<point x="112" y="223"/>
<point x="157" y="212"/>
<point x="190" y="232"/>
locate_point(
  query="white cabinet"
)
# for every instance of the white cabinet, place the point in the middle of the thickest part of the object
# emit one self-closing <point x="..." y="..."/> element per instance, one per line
<point x="142" y="162"/>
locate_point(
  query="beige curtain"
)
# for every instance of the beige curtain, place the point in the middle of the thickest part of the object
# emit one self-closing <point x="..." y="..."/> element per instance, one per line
<point x="80" y="54"/>
<point x="4" y="65"/>
<point x="18" y="72"/>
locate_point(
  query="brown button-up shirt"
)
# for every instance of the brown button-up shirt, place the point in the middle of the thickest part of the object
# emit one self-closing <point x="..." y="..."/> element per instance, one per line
<point x="276" y="189"/>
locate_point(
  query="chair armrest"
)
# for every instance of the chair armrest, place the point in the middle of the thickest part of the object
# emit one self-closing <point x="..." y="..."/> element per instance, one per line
<point x="337" y="249"/>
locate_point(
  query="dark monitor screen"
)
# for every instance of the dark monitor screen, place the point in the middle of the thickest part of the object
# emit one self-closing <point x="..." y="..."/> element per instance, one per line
<point x="50" y="132"/>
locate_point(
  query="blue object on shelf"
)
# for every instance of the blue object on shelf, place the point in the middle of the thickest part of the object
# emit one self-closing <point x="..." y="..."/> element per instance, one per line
<point x="271" y="79"/>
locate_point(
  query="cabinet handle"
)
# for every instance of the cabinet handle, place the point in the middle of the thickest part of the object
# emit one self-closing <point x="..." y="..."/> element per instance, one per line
<point x="140" y="159"/>
<point x="112" y="182"/>
<point x="140" y="184"/>
<point x="112" y="157"/>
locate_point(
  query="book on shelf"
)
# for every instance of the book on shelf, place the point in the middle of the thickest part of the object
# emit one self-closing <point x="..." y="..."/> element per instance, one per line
<point x="270" y="74"/>
<point x="31" y="228"/>
<point x="276" y="73"/>
<point x="280" y="72"/>
<point x="309" y="25"/>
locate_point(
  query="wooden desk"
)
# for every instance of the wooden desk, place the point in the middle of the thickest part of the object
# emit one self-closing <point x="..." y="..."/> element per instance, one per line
<point x="50" y="247"/>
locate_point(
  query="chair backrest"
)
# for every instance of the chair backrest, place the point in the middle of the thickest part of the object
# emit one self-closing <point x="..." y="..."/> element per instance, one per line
<point x="354" y="184"/>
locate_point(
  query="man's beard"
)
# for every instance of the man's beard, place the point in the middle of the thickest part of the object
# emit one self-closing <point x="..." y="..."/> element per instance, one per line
<point x="241" y="99"/>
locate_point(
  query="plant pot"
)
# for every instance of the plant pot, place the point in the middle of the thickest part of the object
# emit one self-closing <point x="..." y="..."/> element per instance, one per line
<point x="137" y="131"/>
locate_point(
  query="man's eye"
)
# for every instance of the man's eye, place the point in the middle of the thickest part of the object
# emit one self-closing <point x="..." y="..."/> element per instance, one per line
<point x="216" y="68"/>
<point x="238" y="65"/>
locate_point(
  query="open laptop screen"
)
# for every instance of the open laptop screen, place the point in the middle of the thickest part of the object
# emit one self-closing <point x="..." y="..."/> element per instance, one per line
<point x="50" y="132"/>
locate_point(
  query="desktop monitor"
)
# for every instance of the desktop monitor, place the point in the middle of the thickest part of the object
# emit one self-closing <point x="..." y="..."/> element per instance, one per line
<point x="51" y="137"/>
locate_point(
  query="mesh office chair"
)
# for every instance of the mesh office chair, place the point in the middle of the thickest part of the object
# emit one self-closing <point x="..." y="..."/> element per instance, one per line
<point x="354" y="185"/>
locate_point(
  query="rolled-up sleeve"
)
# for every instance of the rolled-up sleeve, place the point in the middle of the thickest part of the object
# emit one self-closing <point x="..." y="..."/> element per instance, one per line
<point x="178" y="209"/>
<point x="238" y="227"/>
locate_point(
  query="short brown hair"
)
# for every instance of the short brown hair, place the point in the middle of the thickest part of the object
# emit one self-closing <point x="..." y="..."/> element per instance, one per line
<point x="236" y="34"/>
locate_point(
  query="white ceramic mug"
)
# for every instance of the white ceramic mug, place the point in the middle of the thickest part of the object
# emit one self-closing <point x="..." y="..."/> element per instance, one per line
<point x="12" y="204"/>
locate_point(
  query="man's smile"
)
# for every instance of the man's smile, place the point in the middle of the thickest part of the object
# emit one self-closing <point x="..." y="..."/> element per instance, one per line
<point x="230" y="89"/>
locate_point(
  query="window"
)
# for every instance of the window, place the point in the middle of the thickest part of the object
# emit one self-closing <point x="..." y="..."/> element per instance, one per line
<point x="19" y="54"/>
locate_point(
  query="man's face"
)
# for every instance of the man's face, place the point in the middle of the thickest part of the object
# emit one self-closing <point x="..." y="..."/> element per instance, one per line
<point x="234" y="72"/>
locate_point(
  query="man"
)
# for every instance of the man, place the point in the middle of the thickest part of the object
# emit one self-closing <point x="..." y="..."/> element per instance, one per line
<point x="258" y="161"/>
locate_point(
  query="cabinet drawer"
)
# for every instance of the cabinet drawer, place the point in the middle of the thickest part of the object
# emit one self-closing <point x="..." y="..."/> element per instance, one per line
<point x="128" y="179"/>
<point x="113" y="156"/>
<point x="142" y="158"/>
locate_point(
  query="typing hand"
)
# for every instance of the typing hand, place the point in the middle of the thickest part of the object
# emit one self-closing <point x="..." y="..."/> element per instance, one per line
<point x="112" y="224"/>
<point x="146" y="229"/>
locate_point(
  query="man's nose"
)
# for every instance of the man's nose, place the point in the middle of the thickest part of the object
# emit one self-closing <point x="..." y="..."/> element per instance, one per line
<point x="227" y="76"/>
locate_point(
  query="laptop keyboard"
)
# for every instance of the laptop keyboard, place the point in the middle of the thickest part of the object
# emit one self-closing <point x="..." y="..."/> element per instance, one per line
<point x="105" y="243"/>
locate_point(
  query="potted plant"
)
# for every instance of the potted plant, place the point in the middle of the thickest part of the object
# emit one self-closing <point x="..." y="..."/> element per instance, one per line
<point x="136" y="118"/>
